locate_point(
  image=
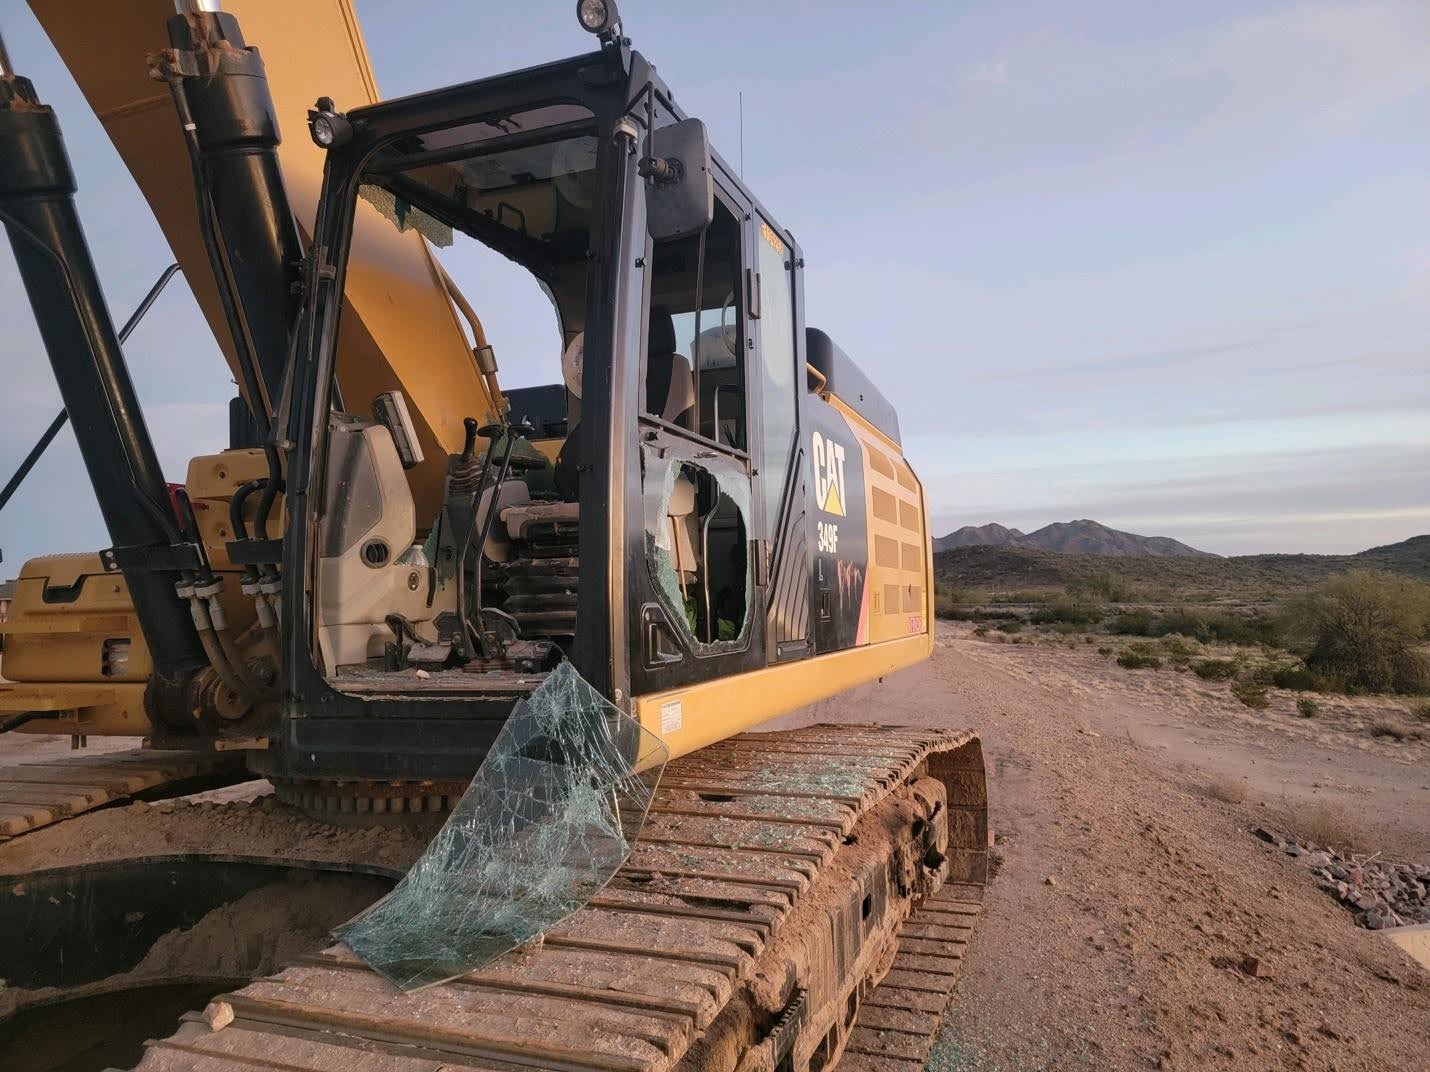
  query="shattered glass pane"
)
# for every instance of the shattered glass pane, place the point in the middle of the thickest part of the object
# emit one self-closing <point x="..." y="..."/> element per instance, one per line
<point x="406" y="217"/>
<point x="552" y="814"/>
<point x="669" y="562"/>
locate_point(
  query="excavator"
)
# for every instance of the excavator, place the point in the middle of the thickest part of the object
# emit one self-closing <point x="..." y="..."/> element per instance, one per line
<point x="400" y="575"/>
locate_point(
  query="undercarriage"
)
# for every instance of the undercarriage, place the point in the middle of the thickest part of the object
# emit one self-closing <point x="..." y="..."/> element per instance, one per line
<point x="793" y="897"/>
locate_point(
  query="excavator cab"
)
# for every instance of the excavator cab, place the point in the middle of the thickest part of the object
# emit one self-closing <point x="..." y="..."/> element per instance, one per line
<point x="622" y="516"/>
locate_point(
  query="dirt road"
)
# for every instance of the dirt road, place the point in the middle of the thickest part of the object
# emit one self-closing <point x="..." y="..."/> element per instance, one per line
<point x="1131" y="891"/>
<point x="1129" y="896"/>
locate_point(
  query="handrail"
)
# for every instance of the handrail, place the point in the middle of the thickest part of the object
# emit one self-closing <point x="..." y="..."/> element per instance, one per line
<point x="63" y="416"/>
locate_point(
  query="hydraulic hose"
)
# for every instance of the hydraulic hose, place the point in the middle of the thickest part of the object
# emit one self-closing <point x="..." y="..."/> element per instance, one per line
<point x="209" y="617"/>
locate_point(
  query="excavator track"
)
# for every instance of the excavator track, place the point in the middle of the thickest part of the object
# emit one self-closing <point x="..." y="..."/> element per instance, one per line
<point x="41" y="792"/>
<point x="792" y="895"/>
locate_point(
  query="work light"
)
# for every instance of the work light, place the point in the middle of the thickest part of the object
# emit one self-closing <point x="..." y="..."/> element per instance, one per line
<point x="598" y="16"/>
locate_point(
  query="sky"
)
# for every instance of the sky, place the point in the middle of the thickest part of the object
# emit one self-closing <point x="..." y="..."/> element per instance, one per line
<point x="1164" y="266"/>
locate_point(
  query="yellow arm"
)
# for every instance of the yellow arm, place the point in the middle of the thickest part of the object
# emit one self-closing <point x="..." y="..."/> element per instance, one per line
<point x="400" y="329"/>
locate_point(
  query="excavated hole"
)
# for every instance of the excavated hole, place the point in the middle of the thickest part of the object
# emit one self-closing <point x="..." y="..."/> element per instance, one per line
<point x="96" y="959"/>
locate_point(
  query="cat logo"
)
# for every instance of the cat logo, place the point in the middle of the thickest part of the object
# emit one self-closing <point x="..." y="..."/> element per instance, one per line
<point x="829" y="489"/>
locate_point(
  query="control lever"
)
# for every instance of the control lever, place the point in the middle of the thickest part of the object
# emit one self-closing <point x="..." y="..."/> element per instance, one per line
<point x="490" y="433"/>
<point x="488" y="640"/>
<point x="469" y="447"/>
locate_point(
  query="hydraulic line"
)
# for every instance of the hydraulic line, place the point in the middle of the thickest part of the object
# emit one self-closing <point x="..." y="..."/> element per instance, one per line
<point x="206" y="607"/>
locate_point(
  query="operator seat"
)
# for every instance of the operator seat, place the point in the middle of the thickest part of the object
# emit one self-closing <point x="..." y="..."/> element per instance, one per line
<point x="670" y="395"/>
<point x="669" y="380"/>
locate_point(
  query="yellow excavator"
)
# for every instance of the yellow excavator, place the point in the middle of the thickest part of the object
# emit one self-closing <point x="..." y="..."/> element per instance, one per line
<point x="400" y="574"/>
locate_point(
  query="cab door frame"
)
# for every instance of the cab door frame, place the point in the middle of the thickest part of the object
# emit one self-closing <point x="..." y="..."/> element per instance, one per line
<point x="663" y="653"/>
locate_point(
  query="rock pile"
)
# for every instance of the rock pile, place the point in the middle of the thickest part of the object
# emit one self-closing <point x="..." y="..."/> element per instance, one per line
<point x="1380" y="893"/>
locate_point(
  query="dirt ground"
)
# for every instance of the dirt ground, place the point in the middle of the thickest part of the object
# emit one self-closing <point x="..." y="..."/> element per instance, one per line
<point x="1130" y="888"/>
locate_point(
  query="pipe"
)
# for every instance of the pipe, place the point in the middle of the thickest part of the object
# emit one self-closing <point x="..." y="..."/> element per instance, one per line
<point x="16" y="721"/>
<point x="37" y="189"/>
<point x="482" y="353"/>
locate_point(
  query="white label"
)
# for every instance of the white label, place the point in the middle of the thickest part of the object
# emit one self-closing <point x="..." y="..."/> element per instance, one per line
<point x="671" y="717"/>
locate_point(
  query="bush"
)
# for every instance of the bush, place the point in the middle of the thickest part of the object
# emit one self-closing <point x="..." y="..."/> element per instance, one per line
<point x="1361" y="630"/>
<point x="1307" y="707"/>
<point x="1251" y="694"/>
<point x="981" y="630"/>
<point x="992" y="615"/>
<point x="1133" y="623"/>
<point x="1136" y="660"/>
<point x="1295" y="677"/>
<point x="1215" y="669"/>
<point x="1069" y="612"/>
<point x="1103" y="587"/>
<point x="1022" y="595"/>
<point x="1104" y="652"/>
<point x="1421" y="712"/>
<point x="947" y="602"/>
<point x="1009" y="627"/>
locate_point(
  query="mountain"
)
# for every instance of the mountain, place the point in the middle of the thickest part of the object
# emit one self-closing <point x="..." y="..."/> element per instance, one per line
<point x="1265" y="578"/>
<point x="1082" y="537"/>
<point x="992" y="534"/>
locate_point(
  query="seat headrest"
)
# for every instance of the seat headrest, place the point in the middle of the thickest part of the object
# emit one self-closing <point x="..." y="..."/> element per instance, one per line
<point x="662" y="331"/>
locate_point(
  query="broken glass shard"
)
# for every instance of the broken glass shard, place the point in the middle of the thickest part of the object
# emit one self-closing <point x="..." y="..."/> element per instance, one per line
<point x="551" y="815"/>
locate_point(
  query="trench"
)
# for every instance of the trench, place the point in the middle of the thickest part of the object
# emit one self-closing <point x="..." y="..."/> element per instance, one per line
<point x="99" y="958"/>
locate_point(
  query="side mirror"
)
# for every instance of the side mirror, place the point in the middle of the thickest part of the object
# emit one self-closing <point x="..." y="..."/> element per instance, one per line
<point x="680" y="190"/>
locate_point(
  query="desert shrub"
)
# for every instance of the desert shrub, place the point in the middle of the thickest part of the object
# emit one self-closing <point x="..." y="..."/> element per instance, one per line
<point x="1208" y="625"/>
<point x="1137" y="660"/>
<point x="980" y="630"/>
<point x="1133" y="623"/>
<point x="1068" y="611"/>
<point x="1188" y="623"/>
<point x="1228" y="790"/>
<point x="1382" y="728"/>
<point x="1361" y="631"/>
<point x="1331" y="826"/>
<point x="1248" y="630"/>
<point x="1180" y="650"/>
<point x="1215" y="669"/>
<point x="1103" y="587"/>
<point x="1307" y="707"/>
<point x="1421" y="712"/>
<point x="1022" y="595"/>
<point x="1294" y="677"/>
<point x="993" y="616"/>
<point x="1251" y="693"/>
<point x="1009" y="627"/>
<point x="949" y="602"/>
<point x="1104" y="652"/>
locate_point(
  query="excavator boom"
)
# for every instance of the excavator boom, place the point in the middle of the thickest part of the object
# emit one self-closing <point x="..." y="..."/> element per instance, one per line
<point x="401" y="329"/>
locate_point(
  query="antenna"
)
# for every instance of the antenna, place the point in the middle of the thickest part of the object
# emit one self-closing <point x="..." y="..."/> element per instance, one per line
<point x="742" y="134"/>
